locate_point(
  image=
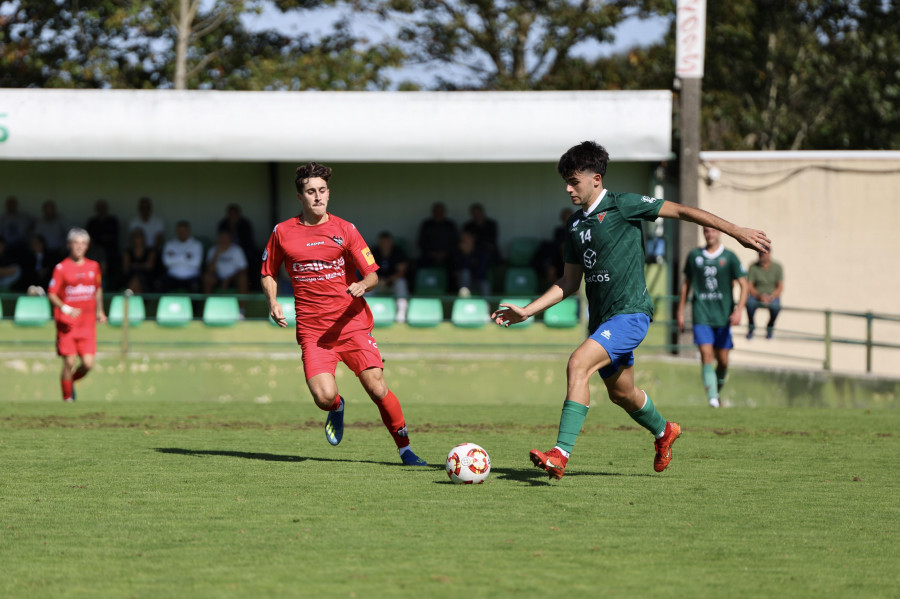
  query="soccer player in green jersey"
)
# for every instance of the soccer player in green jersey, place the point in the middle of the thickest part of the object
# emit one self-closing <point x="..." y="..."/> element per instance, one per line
<point x="712" y="271"/>
<point x="604" y="246"/>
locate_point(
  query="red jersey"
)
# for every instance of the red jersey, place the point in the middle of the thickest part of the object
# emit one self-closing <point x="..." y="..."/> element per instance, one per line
<point x="322" y="261"/>
<point x="76" y="285"/>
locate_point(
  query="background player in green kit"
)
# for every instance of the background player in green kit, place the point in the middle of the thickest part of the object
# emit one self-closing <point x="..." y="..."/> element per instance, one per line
<point x="604" y="246"/>
<point x="712" y="271"/>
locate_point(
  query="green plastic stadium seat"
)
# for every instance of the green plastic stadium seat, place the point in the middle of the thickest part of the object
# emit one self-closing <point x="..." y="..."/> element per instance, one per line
<point x="287" y="306"/>
<point x="174" y="311"/>
<point x="520" y="280"/>
<point x="136" y="310"/>
<point x="519" y="301"/>
<point x="384" y="310"/>
<point x="424" y="312"/>
<point x="562" y="315"/>
<point x="221" y="311"/>
<point x="431" y="281"/>
<point x="522" y="250"/>
<point x="31" y="311"/>
<point x="470" y="312"/>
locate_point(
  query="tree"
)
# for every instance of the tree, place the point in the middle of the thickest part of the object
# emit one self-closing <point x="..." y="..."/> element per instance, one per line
<point x="504" y="44"/>
<point x="181" y="44"/>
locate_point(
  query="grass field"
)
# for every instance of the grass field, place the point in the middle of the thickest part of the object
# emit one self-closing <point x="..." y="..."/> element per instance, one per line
<point x="197" y="470"/>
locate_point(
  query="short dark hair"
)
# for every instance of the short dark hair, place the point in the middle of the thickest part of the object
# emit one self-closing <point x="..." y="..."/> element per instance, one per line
<point x="586" y="156"/>
<point x="311" y="170"/>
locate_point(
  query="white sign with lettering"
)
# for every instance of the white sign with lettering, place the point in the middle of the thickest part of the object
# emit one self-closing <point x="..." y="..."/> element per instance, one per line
<point x="690" y="38"/>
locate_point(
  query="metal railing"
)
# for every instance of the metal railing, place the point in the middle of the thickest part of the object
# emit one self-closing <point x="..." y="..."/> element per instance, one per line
<point x="257" y="310"/>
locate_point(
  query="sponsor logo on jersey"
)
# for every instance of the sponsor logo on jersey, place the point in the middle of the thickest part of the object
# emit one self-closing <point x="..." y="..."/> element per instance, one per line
<point x="265" y="255"/>
<point x="648" y="199"/>
<point x="606" y="334"/>
<point x="367" y="254"/>
<point x="601" y="216"/>
<point x="339" y="240"/>
<point x="575" y="224"/>
<point x="309" y="245"/>
<point x="699" y="260"/>
<point x="590" y="258"/>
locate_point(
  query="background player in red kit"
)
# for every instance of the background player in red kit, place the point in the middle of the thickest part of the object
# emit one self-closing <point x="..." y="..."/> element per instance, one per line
<point x="77" y="299"/>
<point x="322" y="254"/>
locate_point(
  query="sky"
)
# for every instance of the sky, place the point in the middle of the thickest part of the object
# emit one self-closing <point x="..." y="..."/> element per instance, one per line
<point x="631" y="33"/>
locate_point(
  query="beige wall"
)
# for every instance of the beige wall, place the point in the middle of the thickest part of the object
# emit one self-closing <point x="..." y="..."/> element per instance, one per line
<point x="835" y="224"/>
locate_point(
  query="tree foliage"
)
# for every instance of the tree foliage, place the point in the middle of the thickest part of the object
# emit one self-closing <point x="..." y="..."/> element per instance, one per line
<point x="504" y="44"/>
<point x="135" y="44"/>
<point x="785" y="74"/>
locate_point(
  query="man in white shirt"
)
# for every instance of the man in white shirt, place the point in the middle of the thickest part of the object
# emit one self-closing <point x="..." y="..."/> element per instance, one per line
<point x="182" y="258"/>
<point x="226" y="265"/>
<point x="152" y="226"/>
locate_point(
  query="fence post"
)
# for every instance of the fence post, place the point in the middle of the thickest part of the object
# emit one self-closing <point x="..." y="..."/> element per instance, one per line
<point x="125" y="299"/>
<point x="869" y="320"/>
<point x="827" y="365"/>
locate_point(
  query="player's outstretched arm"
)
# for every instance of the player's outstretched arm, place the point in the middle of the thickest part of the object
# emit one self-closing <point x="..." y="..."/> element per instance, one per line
<point x="507" y="314"/>
<point x="753" y="239"/>
<point x="270" y="289"/>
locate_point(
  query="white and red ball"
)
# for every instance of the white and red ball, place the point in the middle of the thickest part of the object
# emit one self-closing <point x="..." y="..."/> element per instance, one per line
<point x="468" y="464"/>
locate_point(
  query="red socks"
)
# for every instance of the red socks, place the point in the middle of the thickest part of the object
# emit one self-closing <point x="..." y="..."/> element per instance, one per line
<point x="66" y="389"/>
<point x="392" y="416"/>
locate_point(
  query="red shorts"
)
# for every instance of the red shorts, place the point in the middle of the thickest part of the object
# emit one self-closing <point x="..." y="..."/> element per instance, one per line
<point x="358" y="353"/>
<point x="71" y="341"/>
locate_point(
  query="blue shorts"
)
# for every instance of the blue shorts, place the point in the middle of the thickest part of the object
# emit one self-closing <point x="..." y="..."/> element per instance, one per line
<point x="718" y="337"/>
<point x="620" y="336"/>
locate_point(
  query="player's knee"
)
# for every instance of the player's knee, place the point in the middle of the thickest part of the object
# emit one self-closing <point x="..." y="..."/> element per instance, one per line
<point x="578" y="368"/>
<point x="323" y="401"/>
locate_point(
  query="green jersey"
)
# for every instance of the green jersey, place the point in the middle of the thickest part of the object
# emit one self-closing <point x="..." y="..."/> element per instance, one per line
<point x="609" y="244"/>
<point x="712" y="276"/>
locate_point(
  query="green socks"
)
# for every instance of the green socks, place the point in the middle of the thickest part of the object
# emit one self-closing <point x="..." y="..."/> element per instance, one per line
<point x="710" y="381"/>
<point x="721" y="376"/>
<point x="649" y="418"/>
<point x="570" y="423"/>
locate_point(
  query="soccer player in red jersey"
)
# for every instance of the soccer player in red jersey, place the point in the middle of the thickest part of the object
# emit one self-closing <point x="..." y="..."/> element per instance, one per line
<point x="322" y="254"/>
<point x="77" y="302"/>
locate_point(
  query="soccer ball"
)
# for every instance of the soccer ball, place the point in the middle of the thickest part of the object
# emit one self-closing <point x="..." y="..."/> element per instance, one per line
<point x="468" y="464"/>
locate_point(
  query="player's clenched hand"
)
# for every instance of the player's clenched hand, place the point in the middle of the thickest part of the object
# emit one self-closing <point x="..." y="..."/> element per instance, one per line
<point x="277" y="314"/>
<point x="356" y="289"/>
<point x="507" y="314"/>
<point x="753" y="239"/>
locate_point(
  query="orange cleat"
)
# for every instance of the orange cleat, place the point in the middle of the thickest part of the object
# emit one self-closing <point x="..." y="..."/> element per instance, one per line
<point x="553" y="462"/>
<point x="664" y="446"/>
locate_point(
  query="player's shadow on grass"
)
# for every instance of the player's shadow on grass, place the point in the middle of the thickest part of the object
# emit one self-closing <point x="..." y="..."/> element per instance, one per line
<point x="536" y="477"/>
<point x="268" y="457"/>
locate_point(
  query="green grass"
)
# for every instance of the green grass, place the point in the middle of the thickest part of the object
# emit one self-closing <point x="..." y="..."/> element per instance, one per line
<point x="206" y="474"/>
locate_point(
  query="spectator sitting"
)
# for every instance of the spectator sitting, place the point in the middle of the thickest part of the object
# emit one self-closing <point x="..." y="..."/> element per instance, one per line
<point x="103" y="228"/>
<point x="37" y="268"/>
<point x="437" y="238"/>
<point x="10" y="271"/>
<point x="139" y="263"/>
<point x="241" y="230"/>
<point x="766" y="284"/>
<point x="470" y="267"/>
<point x="392" y="271"/>
<point x="153" y="226"/>
<point x="484" y="230"/>
<point x="548" y="261"/>
<point x="226" y="265"/>
<point x="51" y="228"/>
<point x="182" y="258"/>
<point x="15" y="226"/>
